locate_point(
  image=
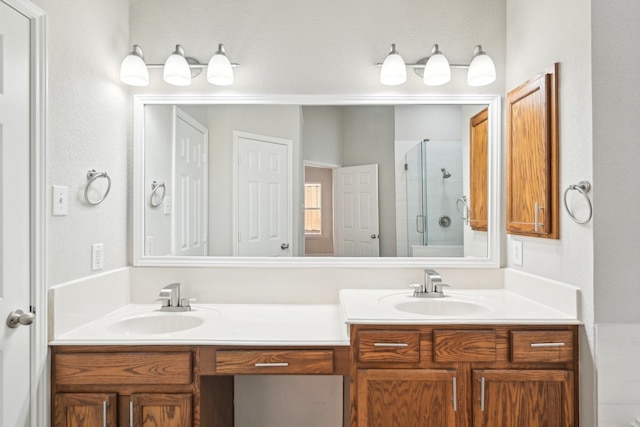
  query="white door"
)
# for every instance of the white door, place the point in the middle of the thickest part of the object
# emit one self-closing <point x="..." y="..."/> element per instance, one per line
<point x="190" y="187"/>
<point x="15" y="216"/>
<point x="264" y="193"/>
<point x="356" y="199"/>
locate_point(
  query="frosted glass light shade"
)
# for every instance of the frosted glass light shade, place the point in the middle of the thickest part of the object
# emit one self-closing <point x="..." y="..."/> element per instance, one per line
<point x="133" y="70"/>
<point x="437" y="71"/>
<point x="219" y="70"/>
<point x="394" y="70"/>
<point x="176" y="70"/>
<point x="482" y="71"/>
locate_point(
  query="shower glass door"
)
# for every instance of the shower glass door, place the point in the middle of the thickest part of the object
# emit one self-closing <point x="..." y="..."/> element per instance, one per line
<point x="434" y="182"/>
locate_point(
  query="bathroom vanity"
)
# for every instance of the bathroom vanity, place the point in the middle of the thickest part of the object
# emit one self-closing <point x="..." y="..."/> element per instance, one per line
<point x="463" y="375"/>
<point x="472" y="358"/>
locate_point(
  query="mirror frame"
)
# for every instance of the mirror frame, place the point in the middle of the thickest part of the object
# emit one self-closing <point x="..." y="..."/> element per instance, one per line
<point x="493" y="241"/>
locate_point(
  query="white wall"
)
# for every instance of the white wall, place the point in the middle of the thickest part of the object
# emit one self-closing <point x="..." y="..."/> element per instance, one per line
<point x="539" y="34"/>
<point x="158" y="130"/>
<point x="322" y="134"/>
<point x="328" y="46"/>
<point x="616" y="156"/>
<point x="86" y="129"/>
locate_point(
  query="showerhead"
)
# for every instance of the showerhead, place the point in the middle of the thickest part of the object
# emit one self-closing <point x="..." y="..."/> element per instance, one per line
<point x="445" y="174"/>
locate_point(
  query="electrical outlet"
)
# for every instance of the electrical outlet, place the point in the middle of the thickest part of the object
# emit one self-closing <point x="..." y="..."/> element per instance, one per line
<point x="97" y="256"/>
<point x="59" y="198"/>
<point x="516" y="251"/>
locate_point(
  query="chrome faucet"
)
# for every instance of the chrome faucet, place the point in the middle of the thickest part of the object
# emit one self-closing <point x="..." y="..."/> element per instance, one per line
<point x="432" y="286"/>
<point x="170" y="297"/>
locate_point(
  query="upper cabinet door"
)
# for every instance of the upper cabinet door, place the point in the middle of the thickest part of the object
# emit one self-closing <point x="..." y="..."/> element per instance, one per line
<point x="532" y="157"/>
<point x="479" y="139"/>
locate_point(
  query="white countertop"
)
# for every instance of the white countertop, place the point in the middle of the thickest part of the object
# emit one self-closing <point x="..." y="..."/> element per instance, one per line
<point x="222" y="324"/>
<point x="470" y="306"/>
<point x="314" y="324"/>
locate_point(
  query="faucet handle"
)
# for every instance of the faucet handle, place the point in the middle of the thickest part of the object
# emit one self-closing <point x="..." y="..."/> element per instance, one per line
<point x="165" y="300"/>
<point x="185" y="302"/>
<point x="418" y="287"/>
<point x="438" y="287"/>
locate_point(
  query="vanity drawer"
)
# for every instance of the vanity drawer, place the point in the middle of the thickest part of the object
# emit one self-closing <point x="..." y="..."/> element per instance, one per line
<point x="541" y="346"/>
<point x="389" y="346"/>
<point x="464" y="345"/>
<point x="274" y="362"/>
<point x="123" y="368"/>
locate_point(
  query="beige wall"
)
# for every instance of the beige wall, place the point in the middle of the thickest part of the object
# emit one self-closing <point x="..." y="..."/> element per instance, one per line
<point x="323" y="244"/>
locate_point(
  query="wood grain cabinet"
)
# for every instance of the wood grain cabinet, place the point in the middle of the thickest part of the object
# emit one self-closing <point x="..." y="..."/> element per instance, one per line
<point x="532" y="157"/>
<point x="479" y="163"/>
<point x="123" y="387"/>
<point x="454" y="375"/>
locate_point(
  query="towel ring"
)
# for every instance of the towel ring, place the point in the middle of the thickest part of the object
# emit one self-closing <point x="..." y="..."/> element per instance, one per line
<point x="583" y="187"/>
<point x="154" y="189"/>
<point x="92" y="175"/>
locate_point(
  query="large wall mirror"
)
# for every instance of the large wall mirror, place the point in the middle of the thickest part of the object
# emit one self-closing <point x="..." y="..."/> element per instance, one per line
<point x="297" y="181"/>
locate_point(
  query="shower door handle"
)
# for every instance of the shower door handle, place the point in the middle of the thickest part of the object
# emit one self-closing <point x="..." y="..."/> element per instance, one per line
<point x="419" y="222"/>
<point x="463" y="211"/>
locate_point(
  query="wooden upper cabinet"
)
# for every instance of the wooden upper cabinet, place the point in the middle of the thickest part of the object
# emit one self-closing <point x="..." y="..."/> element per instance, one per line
<point x="532" y="157"/>
<point x="478" y="140"/>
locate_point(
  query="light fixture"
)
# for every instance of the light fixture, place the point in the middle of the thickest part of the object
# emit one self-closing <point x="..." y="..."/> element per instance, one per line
<point x="133" y="70"/>
<point x="178" y="70"/>
<point x="394" y="71"/>
<point x="435" y="69"/>
<point x="482" y="71"/>
<point x="219" y="71"/>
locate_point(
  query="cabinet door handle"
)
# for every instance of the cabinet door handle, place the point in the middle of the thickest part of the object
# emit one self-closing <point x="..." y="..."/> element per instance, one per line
<point x="131" y="414"/>
<point x="455" y="393"/>
<point x="546" y="344"/>
<point x="482" y="393"/>
<point x="391" y="344"/>
<point x="271" y="365"/>
<point x="104" y="413"/>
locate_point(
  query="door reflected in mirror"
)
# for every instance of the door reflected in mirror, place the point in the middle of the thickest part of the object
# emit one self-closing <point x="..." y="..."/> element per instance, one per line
<point x="290" y="180"/>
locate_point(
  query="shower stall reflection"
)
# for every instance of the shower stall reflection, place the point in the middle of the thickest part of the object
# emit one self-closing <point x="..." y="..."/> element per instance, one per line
<point x="434" y="181"/>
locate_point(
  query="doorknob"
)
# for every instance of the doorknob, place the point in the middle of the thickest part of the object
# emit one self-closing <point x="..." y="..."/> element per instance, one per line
<point x="284" y="246"/>
<point x="375" y="236"/>
<point x="19" y="317"/>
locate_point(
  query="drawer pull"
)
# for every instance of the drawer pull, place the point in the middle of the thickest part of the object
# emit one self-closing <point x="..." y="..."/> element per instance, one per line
<point x="546" y="344"/>
<point x="131" y="413"/>
<point x="104" y="413"/>
<point x="482" y="394"/>
<point x="455" y="393"/>
<point x="271" y="365"/>
<point x="390" y="344"/>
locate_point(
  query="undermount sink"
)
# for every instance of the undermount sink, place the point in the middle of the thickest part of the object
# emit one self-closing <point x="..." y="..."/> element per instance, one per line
<point x="442" y="307"/>
<point x="163" y="323"/>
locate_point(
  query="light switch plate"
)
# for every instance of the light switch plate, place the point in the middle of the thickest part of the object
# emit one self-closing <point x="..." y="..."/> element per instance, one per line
<point x="516" y="250"/>
<point x="167" y="205"/>
<point x="59" y="199"/>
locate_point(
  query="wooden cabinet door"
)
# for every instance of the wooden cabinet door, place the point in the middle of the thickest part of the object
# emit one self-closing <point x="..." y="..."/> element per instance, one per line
<point x="478" y="141"/>
<point x="406" y="398"/>
<point x="85" y="410"/>
<point x="166" y="410"/>
<point x="516" y="398"/>
<point x="532" y="163"/>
